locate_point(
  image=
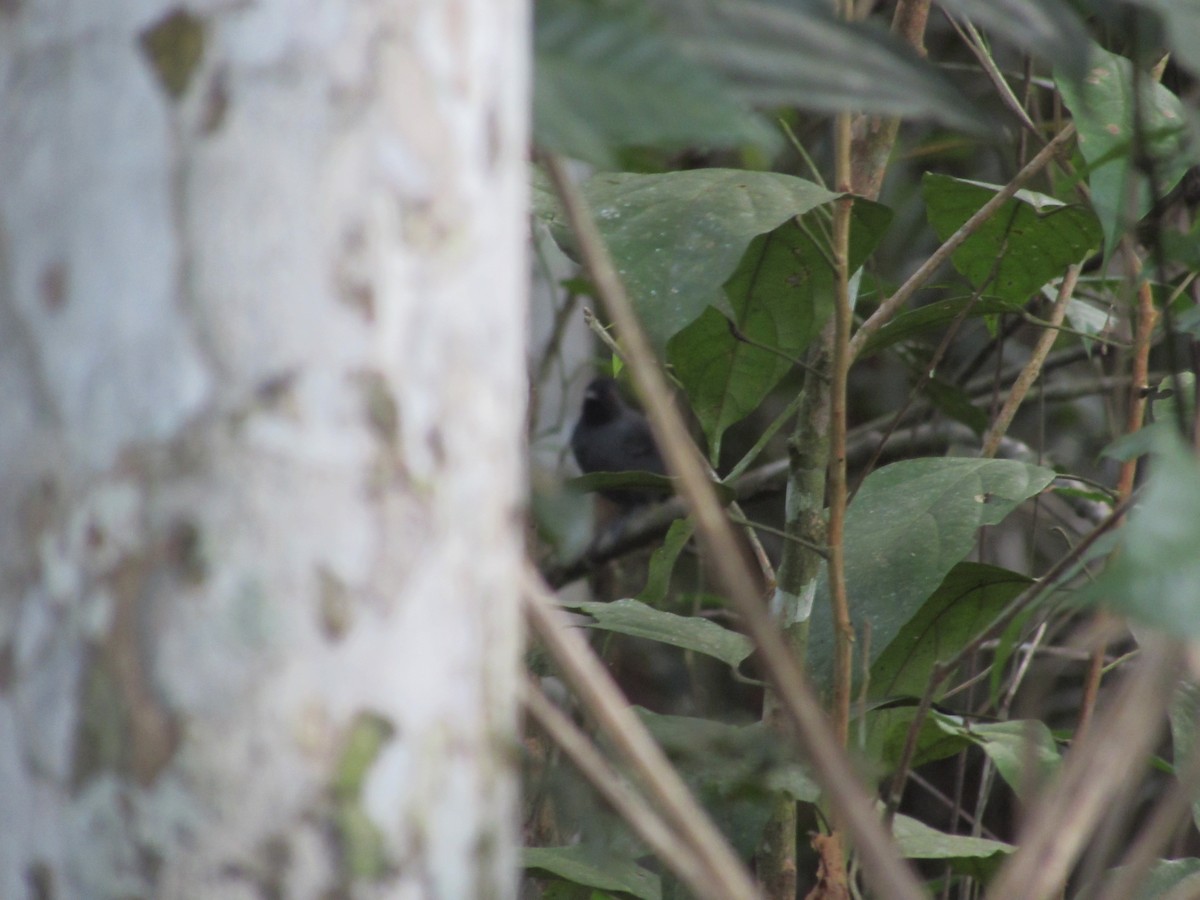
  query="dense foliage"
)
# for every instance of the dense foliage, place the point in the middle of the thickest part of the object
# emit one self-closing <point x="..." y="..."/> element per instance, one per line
<point x="1020" y="552"/>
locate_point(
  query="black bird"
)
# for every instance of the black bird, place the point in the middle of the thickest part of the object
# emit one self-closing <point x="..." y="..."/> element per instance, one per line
<point x="611" y="436"/>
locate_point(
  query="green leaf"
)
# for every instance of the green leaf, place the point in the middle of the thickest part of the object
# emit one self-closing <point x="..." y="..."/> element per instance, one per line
<point x="1029" y="241"/>
<point x="1103" y="108"/>
<point x="604" y="78"/>
<point x="1048" y="28"/>
<point x="908" y="526"/>
<point x="799" y="54"/>
<point x="677" y="238"/>
<point x="931" y="317"/>
<point x="649" y="482"/>
<point x="1012" y="746"/>
<point x="974" y="856"/>
<point x="955" y="403"/>
<point x="969" y="598"/>
<point x="887" y="733"/>
<point x="1155" y="574"/>
<point x="779" y="297"/>
<point x="662" y="562"/>
<point x="687" y="632"/>
<point x="584" y="865"/>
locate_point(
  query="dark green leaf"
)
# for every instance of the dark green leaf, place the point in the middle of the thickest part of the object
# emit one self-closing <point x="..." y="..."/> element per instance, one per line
<point x="677" y="238"/>
<point x="1048" y="28"/>
<point x="662" y="562"/>
<point x="887" y="733"/>
<point x="932" y="317"/>
<point x="1029" y="241"/>
<point x="954" y="402"/>
<point x="908" y="526"/>
<point x="612" y="481"/>
<point x="584" y="865"/>
<point x="1103" y="108"/>
<point x="967" y="600"/>
<point x="687" y="632"/>
<point x="779" y="297"/>
<point x="604" y="79"/>
<point x="801" y="55"/>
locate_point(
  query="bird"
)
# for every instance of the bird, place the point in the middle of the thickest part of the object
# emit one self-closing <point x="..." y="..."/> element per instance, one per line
<point x="612" y="436"/>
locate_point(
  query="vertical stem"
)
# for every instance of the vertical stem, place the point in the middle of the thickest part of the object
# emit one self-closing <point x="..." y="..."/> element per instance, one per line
<point x="844" y="629"/>
<point x="809" y="455"/>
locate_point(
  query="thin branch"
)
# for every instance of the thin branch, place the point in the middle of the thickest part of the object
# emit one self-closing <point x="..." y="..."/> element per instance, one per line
<point x="843" y="674"/>
<point x="1033" y="368"/>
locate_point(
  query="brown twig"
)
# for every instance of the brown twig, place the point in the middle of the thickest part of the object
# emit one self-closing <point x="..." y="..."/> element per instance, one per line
<point x="1033" y="368"/>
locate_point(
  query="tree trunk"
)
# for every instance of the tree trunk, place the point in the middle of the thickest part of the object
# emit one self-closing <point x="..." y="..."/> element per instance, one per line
<point x="261" y="393"/>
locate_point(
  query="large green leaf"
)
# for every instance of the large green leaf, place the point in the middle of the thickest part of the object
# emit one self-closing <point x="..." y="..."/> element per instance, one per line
<point x="686" y="632"/>
<point x="581" y="864"/>
<point x="908" y="526"/>
<point x="967" y="600"/>
<point x="1012" y="747"/>
<point x="966" y="855"/>
<point x="778" y="299"/>
<point x="1155" y="578"/>
<point x="798" y="53"/>
<point x="1103" y="106"/>
<point x="1029" y="241"/>
<point x="677" y="238"/>
<point x="605" y="79"/>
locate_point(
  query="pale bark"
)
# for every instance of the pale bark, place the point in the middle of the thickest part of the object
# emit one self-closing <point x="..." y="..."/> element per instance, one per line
<point x="261" y="393"/>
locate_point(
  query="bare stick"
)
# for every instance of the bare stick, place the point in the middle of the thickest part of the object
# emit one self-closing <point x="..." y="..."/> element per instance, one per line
<point x="1033" y="368"/>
